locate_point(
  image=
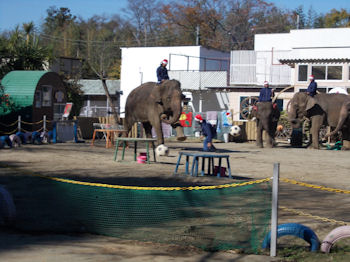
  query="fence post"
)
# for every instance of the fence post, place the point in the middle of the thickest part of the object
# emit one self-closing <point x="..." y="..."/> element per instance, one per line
<point x="54" y="132"/>
<point x="274" y="209"/>
<point x="19" y="123"/>
<point x="44" y="123"/>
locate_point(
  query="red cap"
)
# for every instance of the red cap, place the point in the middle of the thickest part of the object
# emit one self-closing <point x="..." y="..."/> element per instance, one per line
<point x="198" y="118"/>
<point x="311" y="77"/>
<point x="165" y="62"/>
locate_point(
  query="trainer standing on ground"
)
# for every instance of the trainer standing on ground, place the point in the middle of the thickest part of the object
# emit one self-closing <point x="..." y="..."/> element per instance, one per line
<point x="209" y="132"/>
<point x="266" y="93"/>
<point x="162" y="72"/>
<point x="312" y="88"/>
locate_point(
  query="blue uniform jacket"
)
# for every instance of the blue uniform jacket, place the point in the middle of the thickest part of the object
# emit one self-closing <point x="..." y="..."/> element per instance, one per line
<point x="208" y="130"/>
<point x="162" y="73"/>
<point x="265" y="95"/>
<point x="311" y="89"/>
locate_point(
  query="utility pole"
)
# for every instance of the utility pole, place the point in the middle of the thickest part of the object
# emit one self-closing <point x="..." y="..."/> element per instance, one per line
<point x="298" y="21"/>
<point x="197" y="36"/>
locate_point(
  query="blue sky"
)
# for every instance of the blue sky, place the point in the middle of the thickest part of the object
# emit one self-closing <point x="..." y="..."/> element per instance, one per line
<point x="17" y="12"/>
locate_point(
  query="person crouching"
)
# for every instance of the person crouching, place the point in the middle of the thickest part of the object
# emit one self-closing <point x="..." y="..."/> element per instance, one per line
<point x="209" y="132"/>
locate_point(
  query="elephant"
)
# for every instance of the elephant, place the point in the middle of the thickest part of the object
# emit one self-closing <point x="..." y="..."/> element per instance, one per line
<point x="153" y="103"/>
<point x="343" y="124"/>
<point x="267" y="115"/>
<point x="322" y="109"/>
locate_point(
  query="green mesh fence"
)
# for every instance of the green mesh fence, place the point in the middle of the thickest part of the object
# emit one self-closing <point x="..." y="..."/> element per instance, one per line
<point x="212" y="219"/>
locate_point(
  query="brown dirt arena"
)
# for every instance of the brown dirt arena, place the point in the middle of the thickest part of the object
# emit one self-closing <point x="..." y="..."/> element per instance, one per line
<point x="82" y="162"/>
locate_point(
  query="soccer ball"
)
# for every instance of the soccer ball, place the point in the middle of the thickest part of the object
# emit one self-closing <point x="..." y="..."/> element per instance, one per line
<point x="235" y="131"/>
<point x="162" y="150"/>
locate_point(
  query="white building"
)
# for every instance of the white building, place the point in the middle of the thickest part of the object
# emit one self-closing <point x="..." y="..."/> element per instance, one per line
<point x="196" y="67"/>
<point x="287" y="60"/>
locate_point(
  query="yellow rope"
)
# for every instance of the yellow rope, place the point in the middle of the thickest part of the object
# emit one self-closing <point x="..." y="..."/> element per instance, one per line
<point x="324" y="219"/>
<point x="329" y="189"/>
<point x="138" y="187"/>
<point x="34" y="123"/>
<point x="10" y="133"/>
<point x="27" y="131"/>
<point x="5" y="125"/>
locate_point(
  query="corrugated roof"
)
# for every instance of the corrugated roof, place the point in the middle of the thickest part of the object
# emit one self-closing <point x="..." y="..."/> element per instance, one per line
<point x="21" y="85"/>
<point x="317" y="55"/>
<point x="94" y="87"/>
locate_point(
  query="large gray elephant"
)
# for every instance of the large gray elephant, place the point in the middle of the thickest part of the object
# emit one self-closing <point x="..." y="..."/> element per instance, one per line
<point x="267" y="115"/>
<point x="343" y="124"/>
<point x="322" y="109"/>
<point x="153" y="103"/>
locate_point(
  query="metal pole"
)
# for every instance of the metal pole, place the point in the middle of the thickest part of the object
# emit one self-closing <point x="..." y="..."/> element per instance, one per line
<point x="44" y="123"/>
<point x="274" y="211"/>
<point x="197" y="35"/>
<point x="19" y="123"/>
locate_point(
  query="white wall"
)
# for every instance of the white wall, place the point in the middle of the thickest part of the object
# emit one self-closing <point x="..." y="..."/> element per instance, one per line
<point x="323" y="37"/>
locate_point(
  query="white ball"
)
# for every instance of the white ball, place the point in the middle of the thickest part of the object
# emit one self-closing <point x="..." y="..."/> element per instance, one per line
<point x="162" y="150"/>
<point x="235" y="130"/>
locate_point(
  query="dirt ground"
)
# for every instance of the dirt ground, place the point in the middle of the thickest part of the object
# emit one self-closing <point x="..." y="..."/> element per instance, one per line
<point x="80" y="161"/>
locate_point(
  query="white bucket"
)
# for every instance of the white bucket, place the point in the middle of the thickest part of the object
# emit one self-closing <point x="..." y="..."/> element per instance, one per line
<point x="226" y="137"/>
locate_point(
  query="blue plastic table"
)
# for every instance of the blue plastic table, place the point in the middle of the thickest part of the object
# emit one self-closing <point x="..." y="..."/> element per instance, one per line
<point x="196" y="157"/>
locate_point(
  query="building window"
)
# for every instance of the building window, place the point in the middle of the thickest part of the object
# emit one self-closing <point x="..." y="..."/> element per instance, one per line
<point x="334" y="72"/>
<point x="327" y="72"/>
<point x="37" y="98"/>
<point x="302" y="73"/>
<point x="47" y="96"/>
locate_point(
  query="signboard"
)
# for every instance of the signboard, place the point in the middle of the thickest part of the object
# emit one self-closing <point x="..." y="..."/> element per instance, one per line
<point x="67" y="109"/>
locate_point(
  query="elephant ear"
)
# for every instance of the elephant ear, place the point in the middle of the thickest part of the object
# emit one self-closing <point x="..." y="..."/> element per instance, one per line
<point x="310" y="103"/>
<point x="157" y="94"/>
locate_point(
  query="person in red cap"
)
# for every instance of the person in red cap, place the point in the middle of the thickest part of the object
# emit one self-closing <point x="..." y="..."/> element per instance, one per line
<point x="266" y="93"/>
<point x="162" y="72"/>
<point x="312" y="88"/>
<point x="209" y="132"/>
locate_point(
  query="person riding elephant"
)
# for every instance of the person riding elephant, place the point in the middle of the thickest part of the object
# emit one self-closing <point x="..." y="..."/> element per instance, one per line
<point x="267" y="115"/>
<point x="321" y="109"/>
<point x="152" y="104"/>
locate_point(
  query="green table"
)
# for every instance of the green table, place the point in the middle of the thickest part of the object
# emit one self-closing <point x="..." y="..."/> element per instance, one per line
<point x="124" y="140"/>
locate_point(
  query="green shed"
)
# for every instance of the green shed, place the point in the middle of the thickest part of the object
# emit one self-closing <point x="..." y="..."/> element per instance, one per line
<point x="34" y="94"/>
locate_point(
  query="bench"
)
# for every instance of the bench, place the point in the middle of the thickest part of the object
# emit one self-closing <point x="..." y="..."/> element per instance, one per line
<point x="204" y="156"/>
<point x="124" y="140"/>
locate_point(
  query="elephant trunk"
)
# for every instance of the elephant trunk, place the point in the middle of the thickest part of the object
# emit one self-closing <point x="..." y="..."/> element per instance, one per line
<point x="293" y="119"/>
<point x="176" y="110"/>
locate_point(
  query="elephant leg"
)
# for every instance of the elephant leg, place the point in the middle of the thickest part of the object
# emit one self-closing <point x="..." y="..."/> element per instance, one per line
<point x="346" y="145"/>
<point x="148" y="129"/>
<point x="270" y="140"/>
<point x="180" y="136"/>
<point x="158" y="128"/>
<point x="314" y="133"/>
<point x="259" y="130"/>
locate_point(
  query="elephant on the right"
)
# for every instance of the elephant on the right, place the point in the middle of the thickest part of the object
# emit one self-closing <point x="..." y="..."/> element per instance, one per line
<point x="322" y="109"/>
<point x="343" y="124"/>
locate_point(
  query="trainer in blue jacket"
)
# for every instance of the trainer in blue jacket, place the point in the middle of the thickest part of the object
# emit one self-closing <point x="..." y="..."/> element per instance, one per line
<point x="312" y="88"/>
<point x="266" y="93"/>
<point x="209" y="132"/>
<point x="162" y="72"/>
